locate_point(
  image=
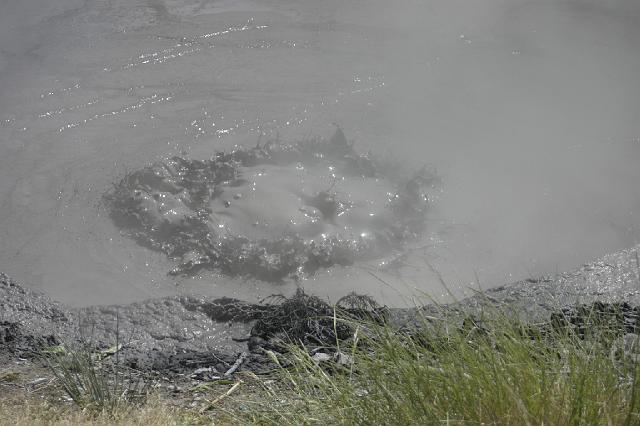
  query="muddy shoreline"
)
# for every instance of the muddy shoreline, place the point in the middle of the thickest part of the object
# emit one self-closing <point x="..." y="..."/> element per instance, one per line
<point x="182" y="334"/>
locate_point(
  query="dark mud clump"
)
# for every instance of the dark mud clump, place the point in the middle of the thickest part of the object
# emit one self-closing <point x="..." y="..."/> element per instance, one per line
<point x="18" y="342"/>
<point x="308" y="320"/>
<point x="179" y="206"/>
<point x="618" y="318"/>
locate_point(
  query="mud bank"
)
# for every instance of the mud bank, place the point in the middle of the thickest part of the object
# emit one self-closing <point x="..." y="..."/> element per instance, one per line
<point x="183" y="334"/>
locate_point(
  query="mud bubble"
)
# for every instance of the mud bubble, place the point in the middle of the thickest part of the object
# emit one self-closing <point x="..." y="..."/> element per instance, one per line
<point x="273" y="211"/>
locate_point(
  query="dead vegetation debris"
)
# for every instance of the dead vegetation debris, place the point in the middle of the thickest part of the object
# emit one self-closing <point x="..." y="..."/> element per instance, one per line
<point x="308" y="320"/>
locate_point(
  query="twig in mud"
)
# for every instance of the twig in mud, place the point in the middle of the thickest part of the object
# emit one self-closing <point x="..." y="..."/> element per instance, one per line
<point x="212" y="404"/>
<point x="38" y="384"/>
<point x="236" y="364"/>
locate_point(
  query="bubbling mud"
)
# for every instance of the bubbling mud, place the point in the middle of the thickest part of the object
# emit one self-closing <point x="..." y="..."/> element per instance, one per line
<point x="274" y="211"/>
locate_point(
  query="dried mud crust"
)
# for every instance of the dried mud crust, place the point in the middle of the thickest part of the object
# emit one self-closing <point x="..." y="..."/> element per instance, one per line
<point x="29" y="322"/>
<point x="250" y="330"/>
<point x="180" y="335"/>
<point x="613" y="278"/>
<point x="168" y="207"/>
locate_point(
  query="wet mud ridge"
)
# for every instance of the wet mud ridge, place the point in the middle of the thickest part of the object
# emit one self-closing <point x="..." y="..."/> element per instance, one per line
<point x="190" y="335"/>
<point x="273" y="211"/>
<point x="177" y="334"/>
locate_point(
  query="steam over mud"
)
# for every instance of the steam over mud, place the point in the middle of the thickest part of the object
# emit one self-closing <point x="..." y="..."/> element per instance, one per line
<point x="527" y="109"/>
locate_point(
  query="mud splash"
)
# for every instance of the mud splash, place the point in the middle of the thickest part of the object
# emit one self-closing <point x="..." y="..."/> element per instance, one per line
<point x="274" y="211"/>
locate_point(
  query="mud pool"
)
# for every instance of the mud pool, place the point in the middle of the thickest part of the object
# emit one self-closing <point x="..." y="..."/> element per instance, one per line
<point x="528" y="110"/>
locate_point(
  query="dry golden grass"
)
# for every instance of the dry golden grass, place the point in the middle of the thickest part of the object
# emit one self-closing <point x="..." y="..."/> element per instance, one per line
<point x="29" y="410"/>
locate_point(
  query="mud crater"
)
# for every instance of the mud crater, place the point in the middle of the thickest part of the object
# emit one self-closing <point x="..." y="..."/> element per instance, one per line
<point x="273" y="211"/>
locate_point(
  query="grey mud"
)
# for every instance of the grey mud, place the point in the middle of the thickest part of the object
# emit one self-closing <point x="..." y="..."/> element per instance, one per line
<point x="273" y="211"/>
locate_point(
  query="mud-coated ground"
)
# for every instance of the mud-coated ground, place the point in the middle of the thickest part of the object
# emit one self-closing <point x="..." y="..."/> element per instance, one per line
<point x="183" y="334"/>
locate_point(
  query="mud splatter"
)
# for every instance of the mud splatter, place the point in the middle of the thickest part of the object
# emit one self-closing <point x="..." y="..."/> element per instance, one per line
<point x="272" y="211"/>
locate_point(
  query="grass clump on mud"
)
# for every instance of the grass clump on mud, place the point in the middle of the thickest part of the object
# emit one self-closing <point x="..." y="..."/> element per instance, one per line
<point x="92" y="385"/>
<point x="308" y="321"/>
<point x="347" y="364"/>
<point x="495" y="371"/>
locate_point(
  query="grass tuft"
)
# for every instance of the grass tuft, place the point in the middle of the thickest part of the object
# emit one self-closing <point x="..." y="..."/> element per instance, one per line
<point x="582" y="368"/>
<point x="498" y="371"/>
<point x="93" y="386"/>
